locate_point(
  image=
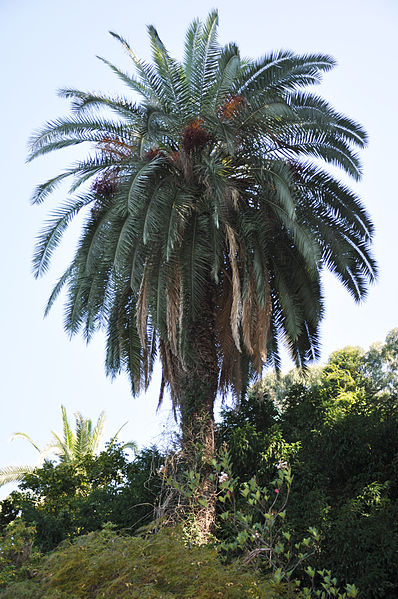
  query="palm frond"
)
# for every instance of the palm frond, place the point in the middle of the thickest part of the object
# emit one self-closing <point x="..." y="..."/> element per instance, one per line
<point x="176" y="91"/>
<point x="50" y="237"/>
<point x="14" y="474"/>
<point x="204" y="64"/>
<point x="26" y="437"/>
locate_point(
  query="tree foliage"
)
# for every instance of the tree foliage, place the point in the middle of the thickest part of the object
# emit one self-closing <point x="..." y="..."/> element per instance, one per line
<point x="338" y="429"/>
<point x="69" y="499"/>
<point x="18" y="555"/>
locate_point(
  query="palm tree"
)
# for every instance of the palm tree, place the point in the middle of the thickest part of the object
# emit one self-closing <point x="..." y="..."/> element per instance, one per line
<point x="210" y="214"/>
<point x="72" y="447"/>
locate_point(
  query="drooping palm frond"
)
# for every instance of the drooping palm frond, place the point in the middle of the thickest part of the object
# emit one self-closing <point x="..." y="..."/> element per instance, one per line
<point x="14" y="474"/>
<point x="129" y="445"/>
<point x="209" y="200"/>
<point x="26" y="437"/>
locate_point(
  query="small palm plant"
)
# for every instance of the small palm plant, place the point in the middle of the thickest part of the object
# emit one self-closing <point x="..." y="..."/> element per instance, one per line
<point x="74" y="445"/>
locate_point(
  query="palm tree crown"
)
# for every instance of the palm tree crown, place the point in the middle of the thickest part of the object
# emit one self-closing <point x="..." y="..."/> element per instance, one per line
<point x="210" y="213"/>
<point x="74" y="445"/>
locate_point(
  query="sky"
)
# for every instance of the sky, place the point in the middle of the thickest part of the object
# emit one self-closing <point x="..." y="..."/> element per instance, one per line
<point x="47" y="45"/>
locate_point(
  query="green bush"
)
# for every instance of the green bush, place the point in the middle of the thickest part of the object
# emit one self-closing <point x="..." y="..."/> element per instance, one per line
<point x="65" y="500"/>
<point x="18" y="556"/>
<point x="338" y="429"/>
<point x="105" y="564"/>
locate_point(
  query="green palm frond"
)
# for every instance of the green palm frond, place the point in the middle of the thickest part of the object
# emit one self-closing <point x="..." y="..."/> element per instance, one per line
<point x="14" y="474"/>
<point x="97" y="433"/>
<point x="205" y="62"/>
<point x="49" y="239"/>
<point x="62" y="448"/>
<point x="69" y="436"/>
<point x="82" y="101"/>
<point x="131" y="82"/>
<point x="26" y="437"/>
<point x="170" y="72"/>
<point x="129" y="445"/>
<point x="82" y="437"/>
<point x="43" y="190"/>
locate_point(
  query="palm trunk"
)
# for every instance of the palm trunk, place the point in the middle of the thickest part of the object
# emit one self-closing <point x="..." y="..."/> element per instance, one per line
<point x="198" y="383"/>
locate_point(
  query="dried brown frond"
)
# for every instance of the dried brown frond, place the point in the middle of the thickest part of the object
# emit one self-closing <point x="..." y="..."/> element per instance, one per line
<point x="142" y="309"/>
<point x="249" y="301"/>
<point x="235" y="198"/>
<point x="150" y="357"/>
<point x="236" y="308"/>
<point x="142" y="324"/>
<point x="169" y="373"/>
<point x="174" y="306"/>
<point x="261" y="333"/>
<point x="230" y="374"/>
<point x="183" y="163"/>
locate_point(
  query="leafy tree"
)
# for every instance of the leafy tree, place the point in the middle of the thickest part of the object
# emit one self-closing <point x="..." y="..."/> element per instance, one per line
<point x="210" y="215"/>
<point x="70" y="448"/>
<point x="381" y="365"/>
<point x="338" y="428"/>
<point x="68" y="499"/>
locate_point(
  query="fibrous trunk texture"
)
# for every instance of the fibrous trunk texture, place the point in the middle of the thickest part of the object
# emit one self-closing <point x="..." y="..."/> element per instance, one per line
<point x="198" y="383"/>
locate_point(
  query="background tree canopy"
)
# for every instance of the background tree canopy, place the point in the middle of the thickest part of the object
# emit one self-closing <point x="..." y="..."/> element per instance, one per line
<point x="338" y="428"/>
<point x="73" y="498"/>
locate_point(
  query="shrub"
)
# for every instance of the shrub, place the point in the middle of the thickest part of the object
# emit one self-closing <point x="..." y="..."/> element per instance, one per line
<point x="105" y="564"/>
<point x="18" y="556"/>
<point x="65" y="500"/>
<point x="339" y="430"/>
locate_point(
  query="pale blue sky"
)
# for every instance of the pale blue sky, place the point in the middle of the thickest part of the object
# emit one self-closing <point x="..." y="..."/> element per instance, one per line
<point x="49" y="44"/>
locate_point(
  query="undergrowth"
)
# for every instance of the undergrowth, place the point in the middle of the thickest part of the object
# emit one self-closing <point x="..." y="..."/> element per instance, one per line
<point x="107" y="565"/>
